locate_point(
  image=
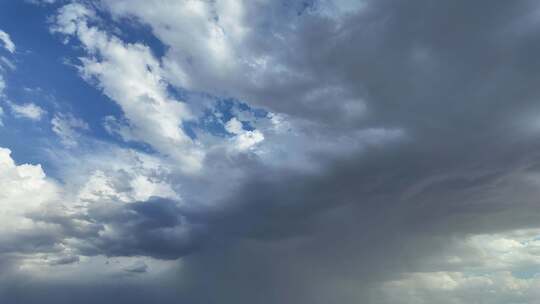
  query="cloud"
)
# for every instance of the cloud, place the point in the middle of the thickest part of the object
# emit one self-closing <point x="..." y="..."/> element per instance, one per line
<point x="119" y="207"/>
<point x="5" y="63"/>
<point x="6" y="40"/>
<point x="67" y="127"/>
<point x="223" y="50"/>
<point x="132" y="77"/>
<point x="243" y="139"/>
<point x="8" y="45"/>
<point x="25" y="189"/>
<point x="365" y="216"/>
<point x="2" y="85"/>
<point x="28" y="110"/>
<point x="395" y="160"/>
<point x="65" y="260"/>
<point x="501" y="264"/>
<point x="137" y="267"/>
<point x="49" y="224"/>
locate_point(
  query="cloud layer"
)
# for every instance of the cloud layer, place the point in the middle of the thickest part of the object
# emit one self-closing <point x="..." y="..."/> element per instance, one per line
<point x="284" y="152"/>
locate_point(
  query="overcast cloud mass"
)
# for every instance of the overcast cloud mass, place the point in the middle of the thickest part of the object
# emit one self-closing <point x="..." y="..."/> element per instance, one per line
<point x="269" y="151"/>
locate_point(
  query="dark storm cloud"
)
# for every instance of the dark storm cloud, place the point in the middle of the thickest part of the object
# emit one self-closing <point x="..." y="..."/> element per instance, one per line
<point x="460" y="78"/>
<point x="428" y="67"/>
<point x="355" y="226"/>
<point x="65" y="260"/>
<point x="291" y="236"/>
<point x="154" y="228"/>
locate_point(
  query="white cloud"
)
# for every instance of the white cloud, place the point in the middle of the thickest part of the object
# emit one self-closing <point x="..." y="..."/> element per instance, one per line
<point x="126" y="186"/>
<point x="2" y="85"/>
<point x="248" y="139"/>
<point x="234" y="126"/>
<point x="27" y="110"/>
<point x="497" y="268"/>
<point x="243" y="140"/>
<point x="132" y="77"/>
<point x="217" y="47"/>
<point x="6" y="41"/>
<point x="25" y="189"/>
<point x="23" y="186"/>
<point x="41" y="2"/>
<point x="203" y="36"/>
<point x="67" y="127"/>
<point x="28" y="192"/>
<point x="4" y="62"/>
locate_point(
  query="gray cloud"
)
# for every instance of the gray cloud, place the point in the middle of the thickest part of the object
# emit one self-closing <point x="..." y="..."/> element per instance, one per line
<point x="139" y="267"/>
<point x="65" y="260"/>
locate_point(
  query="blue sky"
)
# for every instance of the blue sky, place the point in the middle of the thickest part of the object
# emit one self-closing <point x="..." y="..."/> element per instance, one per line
<point x="235" y="151"/>
<point x="42" y="77"/>
<point x="46" y="75"/>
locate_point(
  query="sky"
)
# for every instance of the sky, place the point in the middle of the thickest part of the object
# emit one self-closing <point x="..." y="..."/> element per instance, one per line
<point x="269" y="151"/>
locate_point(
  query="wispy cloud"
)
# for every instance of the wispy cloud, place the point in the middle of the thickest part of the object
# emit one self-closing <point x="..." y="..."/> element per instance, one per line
<point x="68" y="128"/>
<point x="27" y="110"/>
<point x="6" y="41"/>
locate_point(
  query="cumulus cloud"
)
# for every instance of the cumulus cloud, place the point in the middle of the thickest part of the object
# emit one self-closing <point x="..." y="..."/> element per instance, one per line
<point x="44" y="219"/>
<point x="25" y="188"/>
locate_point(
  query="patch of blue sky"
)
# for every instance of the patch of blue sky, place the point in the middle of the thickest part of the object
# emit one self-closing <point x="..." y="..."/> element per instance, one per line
<point x="43" y="77"/>
<point x="301" y="7"/>
<point x="527" y="272"/>
<point x="214" y="118"/>
<point x="130" y="30"/>
<point x="23" y="136"/>
<point x="46" y="75"/>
